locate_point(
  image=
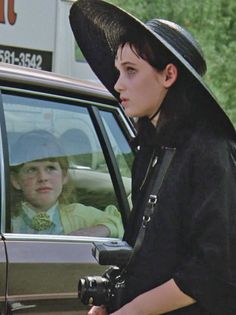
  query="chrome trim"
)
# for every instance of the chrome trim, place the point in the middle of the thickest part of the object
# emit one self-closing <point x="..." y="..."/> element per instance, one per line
<point x="3" y="188"/>
<point x="125" y="120"/>
<point x="54" y="238"/>
<point x="49" y="296"/>
<point x="40" y="78"/>
<point x="56" y="96"/>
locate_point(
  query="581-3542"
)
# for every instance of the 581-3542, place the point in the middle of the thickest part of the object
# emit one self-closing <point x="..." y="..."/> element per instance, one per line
<point x="24" y="59"/>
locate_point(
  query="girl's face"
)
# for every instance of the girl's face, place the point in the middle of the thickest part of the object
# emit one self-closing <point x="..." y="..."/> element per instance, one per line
<point x="41" y="183"/>
<point x="141" y="87"/>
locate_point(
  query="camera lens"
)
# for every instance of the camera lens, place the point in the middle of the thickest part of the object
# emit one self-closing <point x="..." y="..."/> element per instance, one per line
<point x="94" y="290"/>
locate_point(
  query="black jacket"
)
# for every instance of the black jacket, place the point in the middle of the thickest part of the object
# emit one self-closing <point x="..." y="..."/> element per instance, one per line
<point x="192" y="235"/>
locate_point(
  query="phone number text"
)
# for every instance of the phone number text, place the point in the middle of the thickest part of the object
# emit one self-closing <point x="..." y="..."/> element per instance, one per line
<point x="31" y="58"/>
<point x="21" y="59"/>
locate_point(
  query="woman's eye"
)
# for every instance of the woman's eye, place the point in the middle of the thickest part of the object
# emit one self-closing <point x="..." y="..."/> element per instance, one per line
<point x="131" y="71"/>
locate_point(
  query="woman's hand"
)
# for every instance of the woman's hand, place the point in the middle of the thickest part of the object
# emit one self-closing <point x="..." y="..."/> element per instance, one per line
<point x="97" y="310"/>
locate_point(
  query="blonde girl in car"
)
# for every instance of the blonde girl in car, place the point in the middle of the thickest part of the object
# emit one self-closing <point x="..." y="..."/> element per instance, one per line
<point x="40" y="177"/>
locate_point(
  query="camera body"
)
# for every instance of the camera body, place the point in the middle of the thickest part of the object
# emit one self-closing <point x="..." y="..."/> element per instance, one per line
<point x="112" y="253"/>
<point x="106" y="289"/>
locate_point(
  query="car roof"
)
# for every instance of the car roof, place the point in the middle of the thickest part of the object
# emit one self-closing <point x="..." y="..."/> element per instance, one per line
<point x="44" y="79"/>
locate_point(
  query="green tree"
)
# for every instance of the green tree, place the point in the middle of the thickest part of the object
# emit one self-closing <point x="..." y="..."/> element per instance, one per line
<point x="213" y="24"/>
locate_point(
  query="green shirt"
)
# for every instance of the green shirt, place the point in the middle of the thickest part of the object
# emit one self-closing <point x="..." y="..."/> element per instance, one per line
<point x="69" y="218"/>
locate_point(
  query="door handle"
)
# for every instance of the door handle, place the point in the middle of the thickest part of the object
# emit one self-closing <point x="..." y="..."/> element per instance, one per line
<point x="16" y="306"/>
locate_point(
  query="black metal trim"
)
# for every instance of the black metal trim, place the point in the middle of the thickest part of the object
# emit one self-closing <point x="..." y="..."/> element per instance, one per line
<point x="6" y="170"/>
<point x="111" y="163"/>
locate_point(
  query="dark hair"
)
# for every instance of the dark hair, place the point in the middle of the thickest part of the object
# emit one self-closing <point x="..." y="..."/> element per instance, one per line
<point x="151" y="51"/>
<point x="182" y="104"/>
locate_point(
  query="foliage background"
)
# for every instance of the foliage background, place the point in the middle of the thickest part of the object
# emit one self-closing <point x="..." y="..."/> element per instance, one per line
<point x="213" y="24"/>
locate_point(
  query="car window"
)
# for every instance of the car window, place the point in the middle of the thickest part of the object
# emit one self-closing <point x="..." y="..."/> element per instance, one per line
<point x="60" y="181"/>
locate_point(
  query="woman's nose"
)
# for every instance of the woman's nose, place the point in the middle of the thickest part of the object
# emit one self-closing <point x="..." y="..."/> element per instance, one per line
<point x="119" y="86"/>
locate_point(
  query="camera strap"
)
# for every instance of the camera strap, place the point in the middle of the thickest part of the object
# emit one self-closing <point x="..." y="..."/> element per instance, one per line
<point x="154" y="187"/>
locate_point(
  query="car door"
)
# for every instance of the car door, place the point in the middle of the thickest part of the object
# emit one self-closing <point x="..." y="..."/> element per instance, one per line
<point x="43" y="270"/>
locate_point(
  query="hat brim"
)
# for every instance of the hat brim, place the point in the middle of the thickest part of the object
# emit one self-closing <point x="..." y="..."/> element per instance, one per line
<point x="98" y="26"/>
<point x="35" y="145"/>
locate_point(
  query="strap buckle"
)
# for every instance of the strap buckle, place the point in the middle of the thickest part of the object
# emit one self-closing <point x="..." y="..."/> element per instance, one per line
<point x="152" y="200"/>
<point x="147" y="215"/>
<point x="146" y="220"/>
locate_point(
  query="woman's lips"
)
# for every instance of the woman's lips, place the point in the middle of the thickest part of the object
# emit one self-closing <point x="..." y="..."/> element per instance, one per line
<point x="124" y="101"/>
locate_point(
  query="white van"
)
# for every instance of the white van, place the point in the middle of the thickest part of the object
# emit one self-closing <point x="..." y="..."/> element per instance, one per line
<point x="37" y="34"/>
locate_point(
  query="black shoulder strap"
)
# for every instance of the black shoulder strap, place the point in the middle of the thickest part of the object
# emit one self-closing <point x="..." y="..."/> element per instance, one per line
<point x="153" y="191"/>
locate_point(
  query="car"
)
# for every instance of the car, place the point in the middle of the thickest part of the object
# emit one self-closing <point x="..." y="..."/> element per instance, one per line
<point x="39" y="273"/>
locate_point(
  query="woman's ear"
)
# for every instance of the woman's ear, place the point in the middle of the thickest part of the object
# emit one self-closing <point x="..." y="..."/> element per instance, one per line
<point x="14" y="181"/>
<point x="171" y="74"/>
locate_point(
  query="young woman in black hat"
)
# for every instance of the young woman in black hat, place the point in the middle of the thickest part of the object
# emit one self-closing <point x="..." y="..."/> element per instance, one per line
<point x="186" y="263"/>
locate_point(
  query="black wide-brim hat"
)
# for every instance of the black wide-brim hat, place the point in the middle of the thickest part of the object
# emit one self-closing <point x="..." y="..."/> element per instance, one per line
<point x="99" y="27"/>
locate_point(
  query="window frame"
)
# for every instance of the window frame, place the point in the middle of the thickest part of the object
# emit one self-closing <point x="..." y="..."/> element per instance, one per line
<point x="93" y="106"/>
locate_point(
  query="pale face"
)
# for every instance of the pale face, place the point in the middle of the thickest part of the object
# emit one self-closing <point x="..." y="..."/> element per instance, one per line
<point x="41" y="183"/>
<point x="141" y="87"/>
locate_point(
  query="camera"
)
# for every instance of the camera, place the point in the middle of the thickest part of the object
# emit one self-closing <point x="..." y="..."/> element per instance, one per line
<point x="106" y="289"/>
